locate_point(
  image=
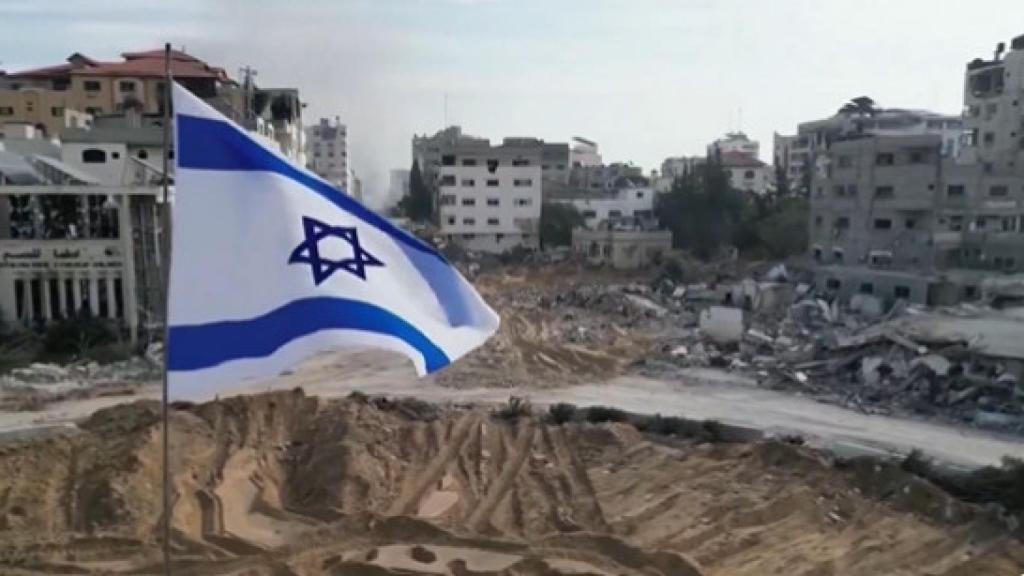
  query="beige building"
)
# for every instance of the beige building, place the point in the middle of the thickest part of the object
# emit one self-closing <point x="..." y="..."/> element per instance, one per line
<point x="53" y="98"/>
<point x="626" y="248"/>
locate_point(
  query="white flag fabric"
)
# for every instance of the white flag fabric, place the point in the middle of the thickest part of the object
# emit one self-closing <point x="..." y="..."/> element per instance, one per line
<point x="271" y="264"/>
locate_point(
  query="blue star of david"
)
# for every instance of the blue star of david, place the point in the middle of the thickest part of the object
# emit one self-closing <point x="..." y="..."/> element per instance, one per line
<point x="308" y="252"/>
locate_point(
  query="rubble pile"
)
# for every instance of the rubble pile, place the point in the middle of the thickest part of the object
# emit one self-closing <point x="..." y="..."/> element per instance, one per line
<point x="34" y="386"/>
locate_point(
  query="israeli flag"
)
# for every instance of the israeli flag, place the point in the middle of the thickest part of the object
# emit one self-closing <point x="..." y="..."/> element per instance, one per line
<point x="271" y="264"/>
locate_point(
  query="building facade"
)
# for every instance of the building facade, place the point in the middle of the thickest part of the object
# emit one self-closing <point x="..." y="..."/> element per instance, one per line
<point x="747" y="173"/>
<point x="489" y="197"/>
<point x="622" y="247"/>
<point x="584" y="153"/>
<point x="622" y="205"/>
<point x="72" y="246"/>
<point x="897" y="217"/>
<point x="327" y="151"/>
<point x="735" y="142"/>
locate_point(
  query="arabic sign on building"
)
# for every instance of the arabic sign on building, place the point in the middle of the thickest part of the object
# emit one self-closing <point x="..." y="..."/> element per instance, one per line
<point x="60" y="255"/>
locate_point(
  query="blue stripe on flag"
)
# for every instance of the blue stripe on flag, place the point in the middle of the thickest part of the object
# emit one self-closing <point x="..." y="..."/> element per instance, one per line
<point x="205" y="144"/>
<point x="197" y="346"/>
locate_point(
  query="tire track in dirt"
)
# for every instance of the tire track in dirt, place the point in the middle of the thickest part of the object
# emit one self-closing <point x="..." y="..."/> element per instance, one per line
<point x="514" y="465"/>
<point x="410" y="498"/>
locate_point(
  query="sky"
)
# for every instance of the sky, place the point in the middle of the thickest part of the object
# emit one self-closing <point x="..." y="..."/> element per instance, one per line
<point x="646" y="79"/>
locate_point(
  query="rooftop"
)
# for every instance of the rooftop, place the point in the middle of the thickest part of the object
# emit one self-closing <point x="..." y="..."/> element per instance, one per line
<point x="146" y="64"/>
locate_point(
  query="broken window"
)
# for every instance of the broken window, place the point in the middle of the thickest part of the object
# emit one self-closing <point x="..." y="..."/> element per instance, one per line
<point x="451" y="220"/>
<point x="955" y="191"/>
<point x="492" y="165"/>
<point x="884" y="192"/>
<point x="22" y="212"/>
<point x="102" y="216"/>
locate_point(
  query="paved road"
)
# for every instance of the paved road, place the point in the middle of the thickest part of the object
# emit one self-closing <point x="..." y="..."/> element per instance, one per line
<point x="698" y="394"/>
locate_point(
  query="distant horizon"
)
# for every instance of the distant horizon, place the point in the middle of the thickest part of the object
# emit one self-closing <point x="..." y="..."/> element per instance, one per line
<point x="645" y="80"/>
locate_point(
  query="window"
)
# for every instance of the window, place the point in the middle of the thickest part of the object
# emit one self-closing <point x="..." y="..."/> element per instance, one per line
<point x="468" y="236"/>
<point x="1009" y="223"/>
<point x="469" y="221"/>
<point x="6" y="111"/>
<point x="867" y="288"/>
<point x="448" y="180"/>
<point x="841" y="223"/>
<point x="523" y="202"/>
<point x="545" y="167"/>
<point x="817" y="221"/>
<point x="447" y="199"/>
<point x="94" y="156"/>
<point x="883" y="224"/>
<point x="844" y="162"/>
<point x="839" y="190"/>
<point x="884" y="159"/>
<point x="93" y="110"/>
<point x="748" y="175"/>
<point x="492" y="221"/>
<point x="817" y="254"/>
<point x="833" y="284"/>
<point x="989" y="138"/>
<point x="902" y="292"/>
<point x="918" y="157"/>
<point x="588" y="214"/>
<point x="522" y="182"/>
<point x="999" y="191"/>
<point x="615" y="213"/>
<point x="469" y="161"/>
<point x="639" y="195"/>
<point x="955" y="191"/>
<point x="142" y="154"/>
<point x="910" y="223"/>
<point x="91" y="86"/>
<point x="493" y="183"/>
<point x="880" y="259"/>
<point x="492" y="165"/>
<point x="115" y="155"/>
<point x="980" y="222"/>
<point x="851" y="189"/>
<point x="126" y="86"/>
<point x="469" y="201"/>
<point x="468" y="182"/>
<point x="520" y="162"/>
<point x="561" y="166"/>
<point x="448" y="160"/>
<point x="57" y="111"/>
<point x="884" y="192"/>
<point x="492" y="201"/>
<point x="837" y="254"/>
<point x="956" y="223"/>
<point x="451" y="220"/>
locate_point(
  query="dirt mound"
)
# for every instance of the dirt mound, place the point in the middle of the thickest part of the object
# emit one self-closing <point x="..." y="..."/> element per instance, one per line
<point x="283" y="483"/>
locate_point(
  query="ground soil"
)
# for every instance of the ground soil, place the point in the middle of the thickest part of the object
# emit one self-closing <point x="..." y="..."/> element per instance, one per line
<point x="283" y="483"/>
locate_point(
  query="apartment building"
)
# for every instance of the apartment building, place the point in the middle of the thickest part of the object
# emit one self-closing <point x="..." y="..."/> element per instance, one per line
<point x="896" y="217"/>
<point x="489" y="197"/>
<point x="735" y="143"/>
<point x="630" y="204"/>
<point x="44" y="96"/>
<point x="747" y="173"/>
<point x="584" y="152"/>
<point x="800" y="153"/>
<point x="327" y="151"/>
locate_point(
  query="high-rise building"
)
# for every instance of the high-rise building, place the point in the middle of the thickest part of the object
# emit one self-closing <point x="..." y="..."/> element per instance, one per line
<point x="327" y="151"/>
<point x="895" y="216"/>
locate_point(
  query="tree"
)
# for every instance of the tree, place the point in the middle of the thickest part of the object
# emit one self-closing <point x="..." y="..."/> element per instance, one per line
<point x="418" y="203"/>
<point x="702" y="210"/>
<point x="860" y="106"/>
<point x="556" y="223"/>
<point x="782" y="188"/>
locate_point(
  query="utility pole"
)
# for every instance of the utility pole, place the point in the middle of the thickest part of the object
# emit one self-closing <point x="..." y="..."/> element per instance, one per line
<point x="248" y="88"/>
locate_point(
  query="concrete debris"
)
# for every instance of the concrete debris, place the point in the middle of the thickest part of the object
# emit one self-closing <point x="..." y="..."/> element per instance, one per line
<point x="721" y="324"/>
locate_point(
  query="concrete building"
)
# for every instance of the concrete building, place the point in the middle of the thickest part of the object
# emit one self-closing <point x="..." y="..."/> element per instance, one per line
<point x="50" y="97"/>
<point x="584" y="153"/>
<point x="72" y="245"/>
<point x="277" y="113"/>
<point x="622" y="205"/>
<point x="896" y="217"/>
<point x="747" y="173"/>
<point x="622" y="246"/>
<point x="674" y="167"/>
<point x="489" y="197"/>
<point x="123" y="149"/>
<point x="327" y="151"/>
<point x="800" y="152"/>
<point x="735" y="142"/>
<point x="611" y="177"/>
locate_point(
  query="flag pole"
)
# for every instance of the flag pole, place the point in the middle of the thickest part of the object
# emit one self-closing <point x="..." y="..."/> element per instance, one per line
<point x="166" y="253"/>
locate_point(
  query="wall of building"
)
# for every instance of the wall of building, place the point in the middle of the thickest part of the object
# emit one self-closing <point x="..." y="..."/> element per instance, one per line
<point x="622" y="203"/>
<point x="327" y="151"/>
<point x="622" y="249"/>
<point x="754" y="179"/>
<point x="490" y="210"/>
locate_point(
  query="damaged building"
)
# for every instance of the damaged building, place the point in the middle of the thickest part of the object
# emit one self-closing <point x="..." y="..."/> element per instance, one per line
<point x="898" y="217"/>
<point x="74" y="244"/>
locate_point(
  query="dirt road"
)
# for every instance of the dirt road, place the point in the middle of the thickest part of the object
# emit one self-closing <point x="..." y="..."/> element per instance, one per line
<point x="697" y="393"/>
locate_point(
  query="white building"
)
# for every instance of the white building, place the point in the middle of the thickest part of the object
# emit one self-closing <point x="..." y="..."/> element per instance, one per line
<point x="327" y="151"/>
<point x="490" y="199"/>
<point x="735" y="142"/>
<point x="612" y="206"/>
<point x="747" y="173"/>
<point x="622" y="247"/>
<point x="583" y="153"/>
<point x="994" y="110"/>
